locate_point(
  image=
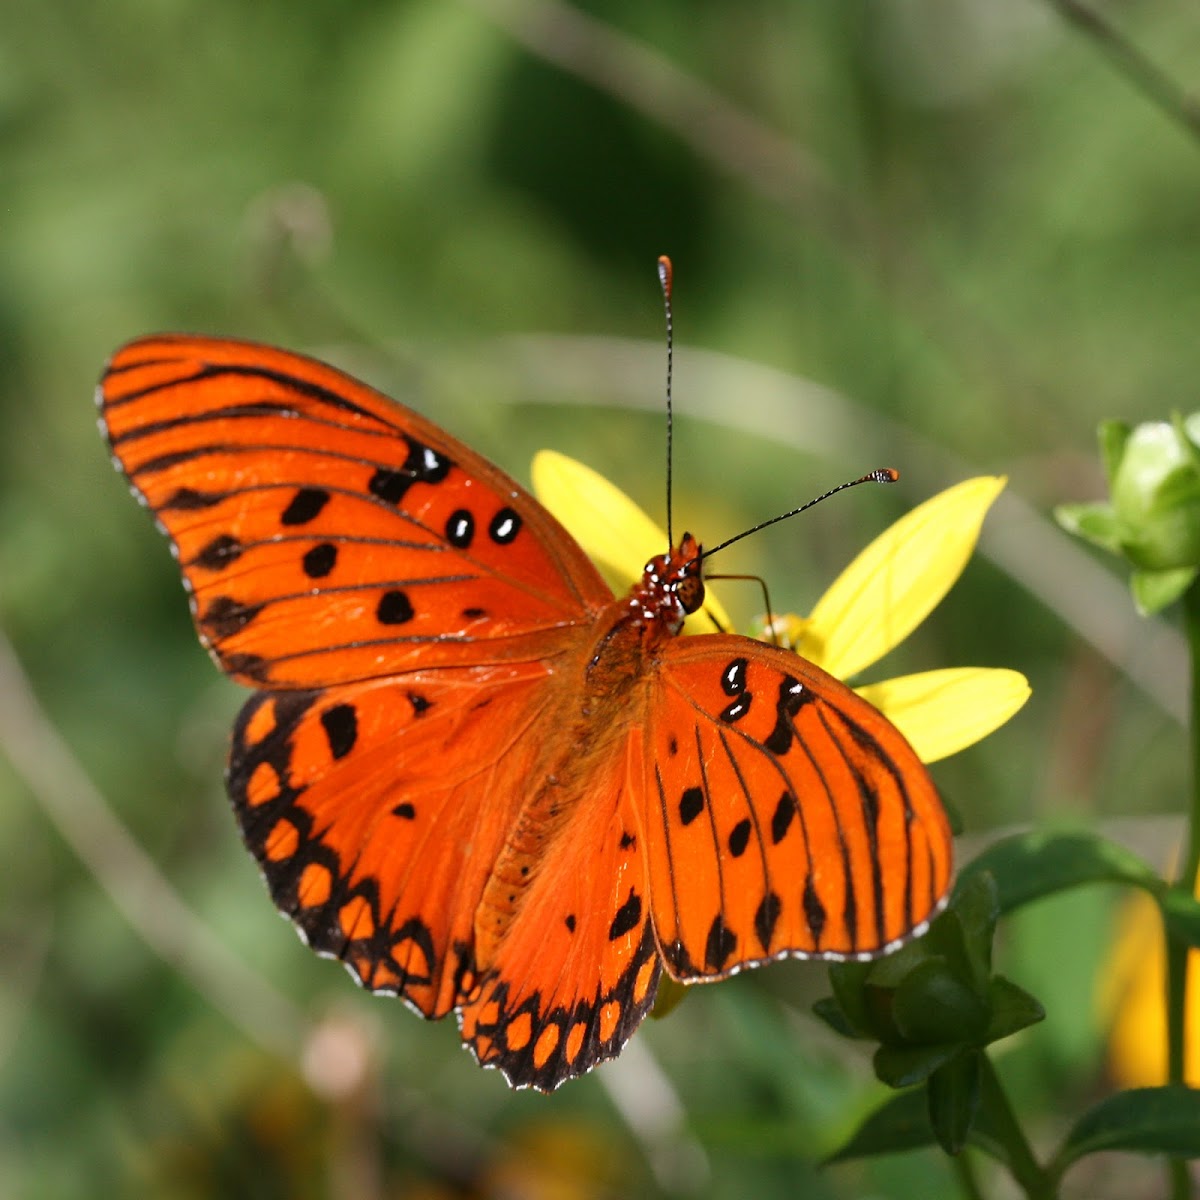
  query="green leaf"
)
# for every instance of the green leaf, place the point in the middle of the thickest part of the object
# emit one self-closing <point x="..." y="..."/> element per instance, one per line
<point x="1094" y="522"/>
<point x="847" y="980"/>
<point x="932" y="1006"/>
<point x="1181" y="911"/>
<point x="1031" y="865"/>
<point x="1154" y="590"/>
<point x="1160" y="1120"/>
<point x="901" y="1123"/>
<point x="889" y="972"/>
<point x="1012" y="1009"/>
<point x="975" y="907"/>
<point x="1112" y="436"/>
<point x="832" y="1013"/>
<point x="954" y="1100"/>
<point x="902" y="1066"/>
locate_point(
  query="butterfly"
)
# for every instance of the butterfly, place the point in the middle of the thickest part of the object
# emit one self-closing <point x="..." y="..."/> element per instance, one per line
<point x="468" y="770"/>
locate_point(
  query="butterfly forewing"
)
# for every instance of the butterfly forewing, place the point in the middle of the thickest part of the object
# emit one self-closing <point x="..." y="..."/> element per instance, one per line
<point x="326" y="533"/>
<point x="789" y="816"/>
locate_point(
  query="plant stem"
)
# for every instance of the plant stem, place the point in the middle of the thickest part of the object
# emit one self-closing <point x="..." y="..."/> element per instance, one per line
<point x="1138" y="68"/>
<point x="964" y="1168"/>
<point x="1191" y="855"/>
<point x="1177" y="952"/>
<point x="1032" y="1179"/>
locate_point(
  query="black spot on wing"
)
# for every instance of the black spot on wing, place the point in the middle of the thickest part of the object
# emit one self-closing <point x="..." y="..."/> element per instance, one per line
<point x="422" y="465"/>
<point x="320" y="560"/>
<point x="505" y="526"/>
<point x="218" y="554"/>
<point x="765" y="917"/>
<point x="394" y="608"/>
<point x="733" y="678"/>
<point x="341" y="729"/>
<point x="691" y="804"/>
<point x="792" y="698"/>
<point x="733" y="683"/>
<point x="226" y="616"/>
<point x="814" y="911"/>
<point x="251" y="666"/>
<point x="719" y="945"/>
<point x="739" y="837"/>
<point x="781" y="819"/>
<point x="460" y="529"/>
<point x="679" y="960"/>
<point x="305" y="506"/>
<point x="627" y="917"/>
<point x="389" y="485"/>
<point x="186" y="499"/>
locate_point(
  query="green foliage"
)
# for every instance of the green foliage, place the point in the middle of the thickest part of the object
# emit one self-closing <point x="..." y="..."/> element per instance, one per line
<point x="1162" y="1120"/>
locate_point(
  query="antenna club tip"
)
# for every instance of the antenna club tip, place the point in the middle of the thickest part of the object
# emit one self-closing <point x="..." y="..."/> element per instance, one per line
<point x="665" y="273"/>
<point x="885" y="475"/>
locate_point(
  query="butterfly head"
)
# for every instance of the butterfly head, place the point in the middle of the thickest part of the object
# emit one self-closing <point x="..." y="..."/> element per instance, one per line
<point x="672" y="585"/>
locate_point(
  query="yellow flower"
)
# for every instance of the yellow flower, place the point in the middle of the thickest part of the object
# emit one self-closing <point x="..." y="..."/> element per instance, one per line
<point x="877" y="601"/>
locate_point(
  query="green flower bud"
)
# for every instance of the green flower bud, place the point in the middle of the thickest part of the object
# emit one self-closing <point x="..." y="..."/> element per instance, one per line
<point x="1156" y="498"/>
<point x="936" y="997"/>
<point x="1152" y="518"/>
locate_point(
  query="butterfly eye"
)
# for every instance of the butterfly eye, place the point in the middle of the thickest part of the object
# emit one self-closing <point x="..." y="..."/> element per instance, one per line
<point x="690" y="590"/>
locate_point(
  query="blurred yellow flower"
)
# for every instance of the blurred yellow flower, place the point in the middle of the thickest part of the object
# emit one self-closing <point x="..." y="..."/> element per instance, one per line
<point x="1132" y="996"/>
<point x="877" y="601"/>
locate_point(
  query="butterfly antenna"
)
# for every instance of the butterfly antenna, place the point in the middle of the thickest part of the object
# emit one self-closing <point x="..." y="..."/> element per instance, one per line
<point x="664" y="279"/>
<point x="883" y="475"/>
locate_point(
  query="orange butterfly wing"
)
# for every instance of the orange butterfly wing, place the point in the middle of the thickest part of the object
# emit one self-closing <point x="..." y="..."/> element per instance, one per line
<point x="377" y="812"/>
<point x="573" y="978"/>
<point x="787" y="816"/>
<point x="325" y="532"/>
<point x="378" y="778"/>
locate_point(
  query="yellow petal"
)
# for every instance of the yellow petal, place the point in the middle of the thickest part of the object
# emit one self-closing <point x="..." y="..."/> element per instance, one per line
<point x="943" y="712"/>
<point x="1132" y="994"/>
<point x="893" y="585"/>
<point x="613" y="531"/>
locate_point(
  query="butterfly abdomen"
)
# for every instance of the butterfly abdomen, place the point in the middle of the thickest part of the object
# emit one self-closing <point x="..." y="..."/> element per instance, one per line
<point x="594" y="709"/>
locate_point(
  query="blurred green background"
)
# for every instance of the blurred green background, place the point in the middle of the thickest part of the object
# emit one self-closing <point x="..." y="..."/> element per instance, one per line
<point x="943" y="235"/>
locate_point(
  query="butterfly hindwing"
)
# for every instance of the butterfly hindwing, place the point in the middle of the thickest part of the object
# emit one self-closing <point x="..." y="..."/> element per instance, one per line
<point x="327" y="533"/>
<point x="787" y="815"/>
<point x="377" y="812"/>
<point x="575" y="975"/>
